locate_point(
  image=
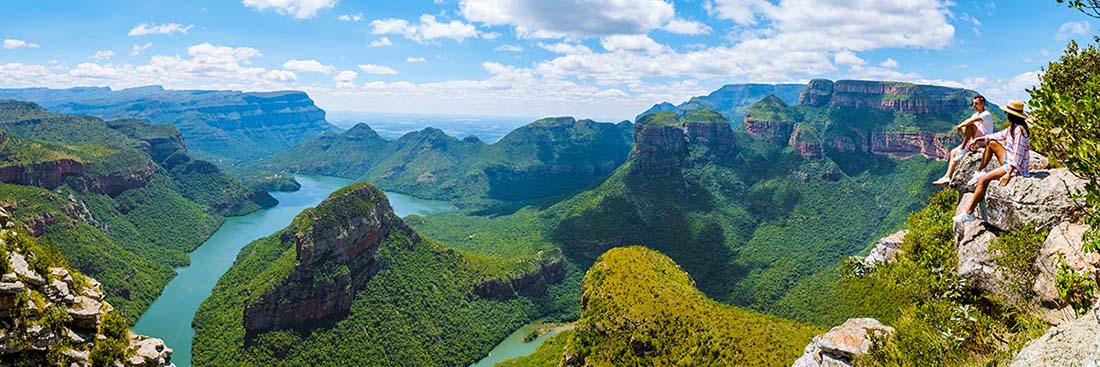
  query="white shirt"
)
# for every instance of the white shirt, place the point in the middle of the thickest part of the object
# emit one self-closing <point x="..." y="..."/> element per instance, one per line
<point x="986" y="125"/>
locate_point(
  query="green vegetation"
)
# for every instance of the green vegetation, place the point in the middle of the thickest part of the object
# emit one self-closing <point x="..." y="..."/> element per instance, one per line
<point x="415" y="311"/>
<point x="544" y="159"/>
<point x="157" y="202"/>
<point x="642" y="309"/>
<point x="771" y="108"/>
<point x="1066" y="124"/>
<point x="1015" y="253"/>
<point x="938" y="320"/>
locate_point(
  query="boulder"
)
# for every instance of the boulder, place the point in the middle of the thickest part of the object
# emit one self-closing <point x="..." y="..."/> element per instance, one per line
<point x="58" y="292"/>
<point x="150" y="352"/>
<point x="975" y="263"/>
<point x="1042" y="199"/>
<point x="886" y="249"/>
<point x="61" y="273"/>
<point x="842" y="344"/>
<point x="21" y="268"/>
<point x="85" y="312"/>
<point x="15" y="287"/>
<point x="1064" y="243"/>
<point x="1075" y="343"/>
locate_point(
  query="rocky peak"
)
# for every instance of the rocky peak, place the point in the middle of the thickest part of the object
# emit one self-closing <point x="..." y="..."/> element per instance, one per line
<point x="904" y="98"/>
<point x="336" y="246"/>
<point x="817" y="93"/>
<point x="771" y="120"/>
<point x="55" y="314"/>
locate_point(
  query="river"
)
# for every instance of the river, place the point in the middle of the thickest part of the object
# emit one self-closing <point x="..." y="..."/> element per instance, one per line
<point x="169" y="317"/>
<point x="513" y="346"/>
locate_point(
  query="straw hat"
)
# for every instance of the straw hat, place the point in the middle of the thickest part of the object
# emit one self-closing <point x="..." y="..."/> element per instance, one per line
<point x="1016" y="108"/>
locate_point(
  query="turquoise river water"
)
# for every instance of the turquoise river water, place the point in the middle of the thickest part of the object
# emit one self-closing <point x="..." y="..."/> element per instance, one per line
<point x="170" y="316"/>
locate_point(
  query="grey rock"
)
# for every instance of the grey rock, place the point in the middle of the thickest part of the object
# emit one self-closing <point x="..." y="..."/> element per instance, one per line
<point x="886" y="249"/>
<point x="61" y="273"/>
<point x="841" y="344"/>
<point x="1073" y="344"/>
<point x="20" y="267"/>
<point x="79" y="356"/>
<point x="9" y="277"/>
<point x="85" y="312"/>
<point x="975" y="262"/>
<point x="151" y="352"/>
<point x="58" y="292"/>
<point x="1064" y="243"/>
<point x="15" y="287"/>
<point x="972" y="160"/>
<point x="1042" y="199"/>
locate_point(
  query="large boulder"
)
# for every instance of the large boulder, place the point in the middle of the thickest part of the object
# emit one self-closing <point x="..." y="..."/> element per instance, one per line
<point x="842" y="344"/>
<point x="1075" y="343"/>
<point x="886" y="249"/>
<point x="975" y="262"/>
<point x="970" y="162"/>
<point x="1064" y="243"/>
<point x="1042" y="199"/>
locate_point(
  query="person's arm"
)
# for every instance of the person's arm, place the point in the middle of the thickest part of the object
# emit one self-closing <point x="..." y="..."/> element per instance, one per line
<point x="971" y="121"/>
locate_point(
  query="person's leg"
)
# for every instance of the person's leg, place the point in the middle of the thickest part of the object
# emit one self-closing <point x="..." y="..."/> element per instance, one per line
<point x="983" y="185"/>
<point x="951" y="163"/>
<point x="968" y="137"/>
<point x="993" y="148"/>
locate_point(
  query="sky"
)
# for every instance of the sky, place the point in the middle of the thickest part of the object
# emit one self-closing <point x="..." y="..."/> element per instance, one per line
<point x="608" y="60"/>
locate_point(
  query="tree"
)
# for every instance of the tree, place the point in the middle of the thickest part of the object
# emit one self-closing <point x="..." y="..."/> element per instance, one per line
<point x="1066" y="125"/>
<point x="1089" y="7"/>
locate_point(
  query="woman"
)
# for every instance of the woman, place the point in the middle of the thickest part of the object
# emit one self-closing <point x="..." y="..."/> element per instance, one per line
<point x="1013" y="150"/>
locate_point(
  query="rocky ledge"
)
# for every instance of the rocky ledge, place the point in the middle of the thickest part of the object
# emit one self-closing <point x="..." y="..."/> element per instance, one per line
<point x="59" y="317"/>
<point x="336" y="246"/>
<point x="842" y="344"/>
<point x="533" y="283"/>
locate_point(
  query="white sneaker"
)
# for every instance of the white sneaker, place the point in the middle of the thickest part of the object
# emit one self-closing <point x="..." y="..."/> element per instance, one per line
<point x="974" y="179"/>
<point x="943" y="181"/>
<point x="963" y="218"/>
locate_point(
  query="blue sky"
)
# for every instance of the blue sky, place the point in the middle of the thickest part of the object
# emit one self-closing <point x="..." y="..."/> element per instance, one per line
<point x="600" y="59"/>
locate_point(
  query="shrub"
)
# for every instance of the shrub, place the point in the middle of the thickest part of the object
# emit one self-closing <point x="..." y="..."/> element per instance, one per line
<point x="1074" y="288"/>
<point x="1015" y="255"/>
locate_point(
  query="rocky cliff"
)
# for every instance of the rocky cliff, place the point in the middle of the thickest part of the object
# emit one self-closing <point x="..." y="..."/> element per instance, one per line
<point x="52" y="315"/>
<point x="659" y="143"/>
<point x="902" y="98"/>
<point x="335" y="246"/>
<point x="224" y="124"/>
<point x="903" y="145"/>
<point x="806" y="143"/>
<point x="528" y="284"/>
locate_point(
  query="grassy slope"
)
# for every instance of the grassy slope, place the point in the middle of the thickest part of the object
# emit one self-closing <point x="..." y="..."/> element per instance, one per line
<point x="642" y="309"/>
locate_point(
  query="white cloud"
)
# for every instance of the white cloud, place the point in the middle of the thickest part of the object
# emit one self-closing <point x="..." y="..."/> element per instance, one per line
<point x="545" y="19"/>
<point x="350" y="17"/>
<point x="565" y="48"/>
<point x="415" y="60"/>
<point x="889" y="63"/>
<point x="427" y="30"/>
<point x="376" y="69"/>
<point x="1001" y="90"/>
<point x="381" y="42"/>
<point x="1070" y="29"/>
<point x="16" y="43"/>
<point x="681" y="26"/>
<point x="138" y="49"/>
<point x="18" y="74"/>
<point x="153" y="28"/>
<point x="345" y="79"/>
<point x="848" y="58"/>
<point x="301" y="9"/>
<point x="509" y="48"/>
<point x="742" y="12"/>
<point x="631" y="43"/>
<point x="490" y="35"/>
<point x="308" y="66"/>
<point x="281" y="75"/>
<point x="103" y="55"/>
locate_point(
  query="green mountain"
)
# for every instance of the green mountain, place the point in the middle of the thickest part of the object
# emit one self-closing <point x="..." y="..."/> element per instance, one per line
<point x="641" y="309"/>
<point x="225" y="127"/>
<point x="349" y="282"/>
<point x="731" y="100"/>
<point x="121" y="200"/>
<point x="546" y="158"/>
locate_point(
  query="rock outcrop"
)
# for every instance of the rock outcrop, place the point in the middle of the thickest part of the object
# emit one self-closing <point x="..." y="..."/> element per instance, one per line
<point x="1073" y="344"/>
<point x="60" y="313"/>
<point x="335" y="247"/>
<point x="842" y="344"/>
<point x="774" y="131"/>
<point x="903" y="145"/>
<point x="533" y="283"/>
<point x="1064" y="244"/>
<point x="806" y="143"/>
<point x="897" y="97"/>
<point x="659" y="144"/>
<point x="886" y="249"/>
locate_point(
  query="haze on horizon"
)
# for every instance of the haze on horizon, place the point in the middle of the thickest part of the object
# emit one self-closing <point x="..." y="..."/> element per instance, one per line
<point x="597" y="59"/>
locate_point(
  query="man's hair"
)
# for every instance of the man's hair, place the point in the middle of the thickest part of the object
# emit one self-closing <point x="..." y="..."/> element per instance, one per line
<point x="980" y="97"/>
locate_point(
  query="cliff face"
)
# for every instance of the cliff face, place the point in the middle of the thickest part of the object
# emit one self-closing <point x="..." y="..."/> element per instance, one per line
<point x="226" y="124"/>
<point x="773" y="131"/>
<point x="901" y="98"/>
<point x="806" y="143"/>
<point x="903" y="145"/>
<point x="660" y="147"/>
<point x="336" y="247"/>
<point x="534" y="283"/>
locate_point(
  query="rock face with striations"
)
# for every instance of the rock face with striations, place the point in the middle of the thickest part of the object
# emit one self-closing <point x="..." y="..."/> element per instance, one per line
<point x="335" y="247"/>
<point x="1074" y="344"/>
<point x="227" y="124"/>
<point x="904" y="98"/>
<point x="59" y="316"/>
<point x="528" y="284"/>
<point x="659" y="143"/>
<point x="770" y="120"/>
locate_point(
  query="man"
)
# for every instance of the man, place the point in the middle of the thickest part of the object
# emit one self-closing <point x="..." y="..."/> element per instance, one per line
<point x="978" y="125"/>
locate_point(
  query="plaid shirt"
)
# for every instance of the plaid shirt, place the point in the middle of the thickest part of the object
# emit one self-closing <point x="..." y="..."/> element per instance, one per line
<point x="1017" y="148"/>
